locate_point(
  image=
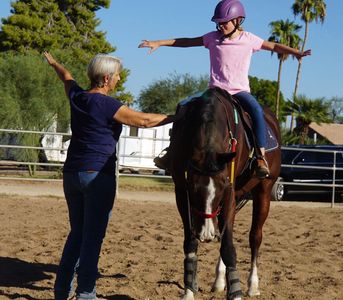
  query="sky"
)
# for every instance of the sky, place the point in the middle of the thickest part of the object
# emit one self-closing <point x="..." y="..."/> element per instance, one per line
<point x="126" y="23"/>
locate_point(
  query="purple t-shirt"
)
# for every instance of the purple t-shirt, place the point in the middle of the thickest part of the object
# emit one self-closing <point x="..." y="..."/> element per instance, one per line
<point x="94" y="132"/>
<point x="230" y="60"/>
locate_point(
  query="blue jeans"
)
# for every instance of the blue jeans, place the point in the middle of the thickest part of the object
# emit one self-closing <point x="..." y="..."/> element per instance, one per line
<point x="254" y="109"/>
<point x="90" y="199"/>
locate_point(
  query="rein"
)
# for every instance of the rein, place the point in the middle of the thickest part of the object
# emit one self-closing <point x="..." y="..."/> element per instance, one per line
<point x="232" y="147"/>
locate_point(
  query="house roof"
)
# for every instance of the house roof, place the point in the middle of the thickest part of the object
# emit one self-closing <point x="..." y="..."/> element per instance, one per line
<point x="331" y="131"/>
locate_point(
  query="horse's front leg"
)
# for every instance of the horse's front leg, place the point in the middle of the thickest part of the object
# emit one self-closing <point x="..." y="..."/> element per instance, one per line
<point x="190" y="269"/>
<point x="190" y="247"/>
<point x="261" y="203"/>
<point x="228" y="255"/>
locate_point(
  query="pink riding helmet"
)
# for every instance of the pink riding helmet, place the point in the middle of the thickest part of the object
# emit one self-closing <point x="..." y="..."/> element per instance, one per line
<point x="227" y="10"/>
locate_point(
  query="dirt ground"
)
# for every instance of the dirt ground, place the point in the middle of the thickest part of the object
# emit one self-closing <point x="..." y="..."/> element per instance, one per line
<point x="301" y="255"/>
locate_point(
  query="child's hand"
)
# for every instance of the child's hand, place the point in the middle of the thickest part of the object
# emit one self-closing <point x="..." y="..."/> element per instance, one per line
<point x="153" y="45"/>
<point x="302" y="54"/>
<point x="51" y="61"/>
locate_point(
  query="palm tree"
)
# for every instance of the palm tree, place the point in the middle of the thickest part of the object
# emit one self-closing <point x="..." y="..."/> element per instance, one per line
<point x="309" y="10"/>
<point x="284" y="32"/>
<point x="308" y="110"/>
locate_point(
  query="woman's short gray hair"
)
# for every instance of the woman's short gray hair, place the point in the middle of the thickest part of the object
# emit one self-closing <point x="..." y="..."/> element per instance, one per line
<point x="101" y="65"/>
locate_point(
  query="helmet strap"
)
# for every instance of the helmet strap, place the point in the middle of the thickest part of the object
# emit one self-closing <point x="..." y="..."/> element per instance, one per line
<point x="225" y="36"/>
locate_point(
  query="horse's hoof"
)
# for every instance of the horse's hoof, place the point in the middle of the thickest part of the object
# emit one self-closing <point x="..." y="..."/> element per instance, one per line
<point x="254" y="292"/>
<point x="218" y="288"/>
<point x="189" y="295"/>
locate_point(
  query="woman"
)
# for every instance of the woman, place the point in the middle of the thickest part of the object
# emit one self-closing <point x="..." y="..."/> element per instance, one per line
<point x="230" y="49"/>
<point x="89" y="171"/>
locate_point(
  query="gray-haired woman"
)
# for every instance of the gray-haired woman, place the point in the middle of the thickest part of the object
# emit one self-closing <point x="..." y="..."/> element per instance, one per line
<point x="89" y="170"/>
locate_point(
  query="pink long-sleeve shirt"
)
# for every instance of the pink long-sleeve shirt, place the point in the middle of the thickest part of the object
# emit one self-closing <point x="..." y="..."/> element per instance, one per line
<point x="230" y="60"/>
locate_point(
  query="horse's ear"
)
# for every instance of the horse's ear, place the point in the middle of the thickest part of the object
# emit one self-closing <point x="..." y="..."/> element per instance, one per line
<point x="224" y="158"/>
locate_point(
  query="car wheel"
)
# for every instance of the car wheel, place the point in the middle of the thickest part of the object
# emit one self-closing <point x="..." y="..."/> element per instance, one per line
<point x="278" y="190"/>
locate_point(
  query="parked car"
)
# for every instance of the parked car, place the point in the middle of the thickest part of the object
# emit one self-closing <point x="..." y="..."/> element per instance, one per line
<point x="299" y="164"/>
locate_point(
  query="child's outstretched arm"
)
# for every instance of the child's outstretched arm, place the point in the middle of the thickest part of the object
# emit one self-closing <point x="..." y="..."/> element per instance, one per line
<point x="283" y="49"/>
<point x="182" y="42"/>
<point x="61" y="71"/>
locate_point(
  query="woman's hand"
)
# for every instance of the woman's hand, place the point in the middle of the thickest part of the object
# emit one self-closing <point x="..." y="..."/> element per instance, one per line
<point x="153" y="45"/>
<point x="61" y="72"/>
<point x="51" y="61"/>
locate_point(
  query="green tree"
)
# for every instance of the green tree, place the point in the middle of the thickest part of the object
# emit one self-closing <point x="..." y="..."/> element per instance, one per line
<point x="284" y="32"/>
<point x="35" y="24"/>
<point x="308" y="110"/>
<point x="44" y="25"/>
<point x="67" y="28"/>
<point x="336" y="109"/>
<point x="309" y="11"/>
<point x="29" y="102"/>
<point x="163" y="95"/>
<point x="264" y="91"/>
<point x="81" y="15"/>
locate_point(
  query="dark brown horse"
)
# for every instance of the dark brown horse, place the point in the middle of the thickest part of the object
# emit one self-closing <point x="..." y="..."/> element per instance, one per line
<point x="211" y="169"/>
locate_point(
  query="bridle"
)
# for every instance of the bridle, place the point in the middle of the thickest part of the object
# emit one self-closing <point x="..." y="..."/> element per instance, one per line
<point x="191" y="166"/>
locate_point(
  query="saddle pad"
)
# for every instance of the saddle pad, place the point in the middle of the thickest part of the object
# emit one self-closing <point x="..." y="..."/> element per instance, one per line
<point x="272" y="142"/>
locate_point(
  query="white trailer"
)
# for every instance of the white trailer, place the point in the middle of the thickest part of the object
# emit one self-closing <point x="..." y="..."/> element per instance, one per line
<point x="137" y="147"/>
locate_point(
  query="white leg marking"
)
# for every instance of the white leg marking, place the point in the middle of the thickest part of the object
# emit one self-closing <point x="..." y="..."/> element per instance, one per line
<point x="207" y="232"/>
<point x="189" y="295"/>
<point x="253" y="281"/>
<point x="220" y="281"/>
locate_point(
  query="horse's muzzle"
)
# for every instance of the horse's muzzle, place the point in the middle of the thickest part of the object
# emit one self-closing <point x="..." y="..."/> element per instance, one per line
<point x="208" y="231"/>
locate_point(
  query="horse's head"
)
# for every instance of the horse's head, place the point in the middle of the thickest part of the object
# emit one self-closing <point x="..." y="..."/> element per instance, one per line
<point x="207" y="172"/>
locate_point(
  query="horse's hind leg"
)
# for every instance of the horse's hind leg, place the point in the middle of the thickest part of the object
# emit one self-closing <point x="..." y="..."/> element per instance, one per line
<point x="261" y="204"/>
<point x="220" y="281"/>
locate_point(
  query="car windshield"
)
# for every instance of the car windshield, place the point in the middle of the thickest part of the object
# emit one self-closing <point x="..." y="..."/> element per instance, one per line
<point x="288" y="155"/>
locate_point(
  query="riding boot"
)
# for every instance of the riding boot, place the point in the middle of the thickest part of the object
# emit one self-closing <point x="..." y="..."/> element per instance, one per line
<point x="262" y="169"/>
<point x="163" y="161"/>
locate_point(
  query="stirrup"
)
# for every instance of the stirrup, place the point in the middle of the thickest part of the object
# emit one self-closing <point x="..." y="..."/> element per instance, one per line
<point x="262" y="172"/>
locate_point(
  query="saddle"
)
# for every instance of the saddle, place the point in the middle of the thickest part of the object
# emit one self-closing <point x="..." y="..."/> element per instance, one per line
<point x="245" y="118"/>
<point x="254" y="150"/>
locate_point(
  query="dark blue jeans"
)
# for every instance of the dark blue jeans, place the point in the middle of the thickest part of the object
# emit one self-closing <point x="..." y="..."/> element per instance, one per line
<point x="90" y="198"/>
<point x="254" y="109"/>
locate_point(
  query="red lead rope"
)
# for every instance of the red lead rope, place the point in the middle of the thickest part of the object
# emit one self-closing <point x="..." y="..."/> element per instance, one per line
<point x="233" y="143"/>
<point x="205" y="215"/>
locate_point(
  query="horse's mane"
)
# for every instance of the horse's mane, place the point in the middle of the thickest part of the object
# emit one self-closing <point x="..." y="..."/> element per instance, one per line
<point x="202" y="129"/>
<point x="200" y="111"/>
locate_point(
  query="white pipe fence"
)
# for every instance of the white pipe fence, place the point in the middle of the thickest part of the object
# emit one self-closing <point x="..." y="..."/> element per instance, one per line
<point x="333" y="168"/>
<point x="3" y="163"/>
